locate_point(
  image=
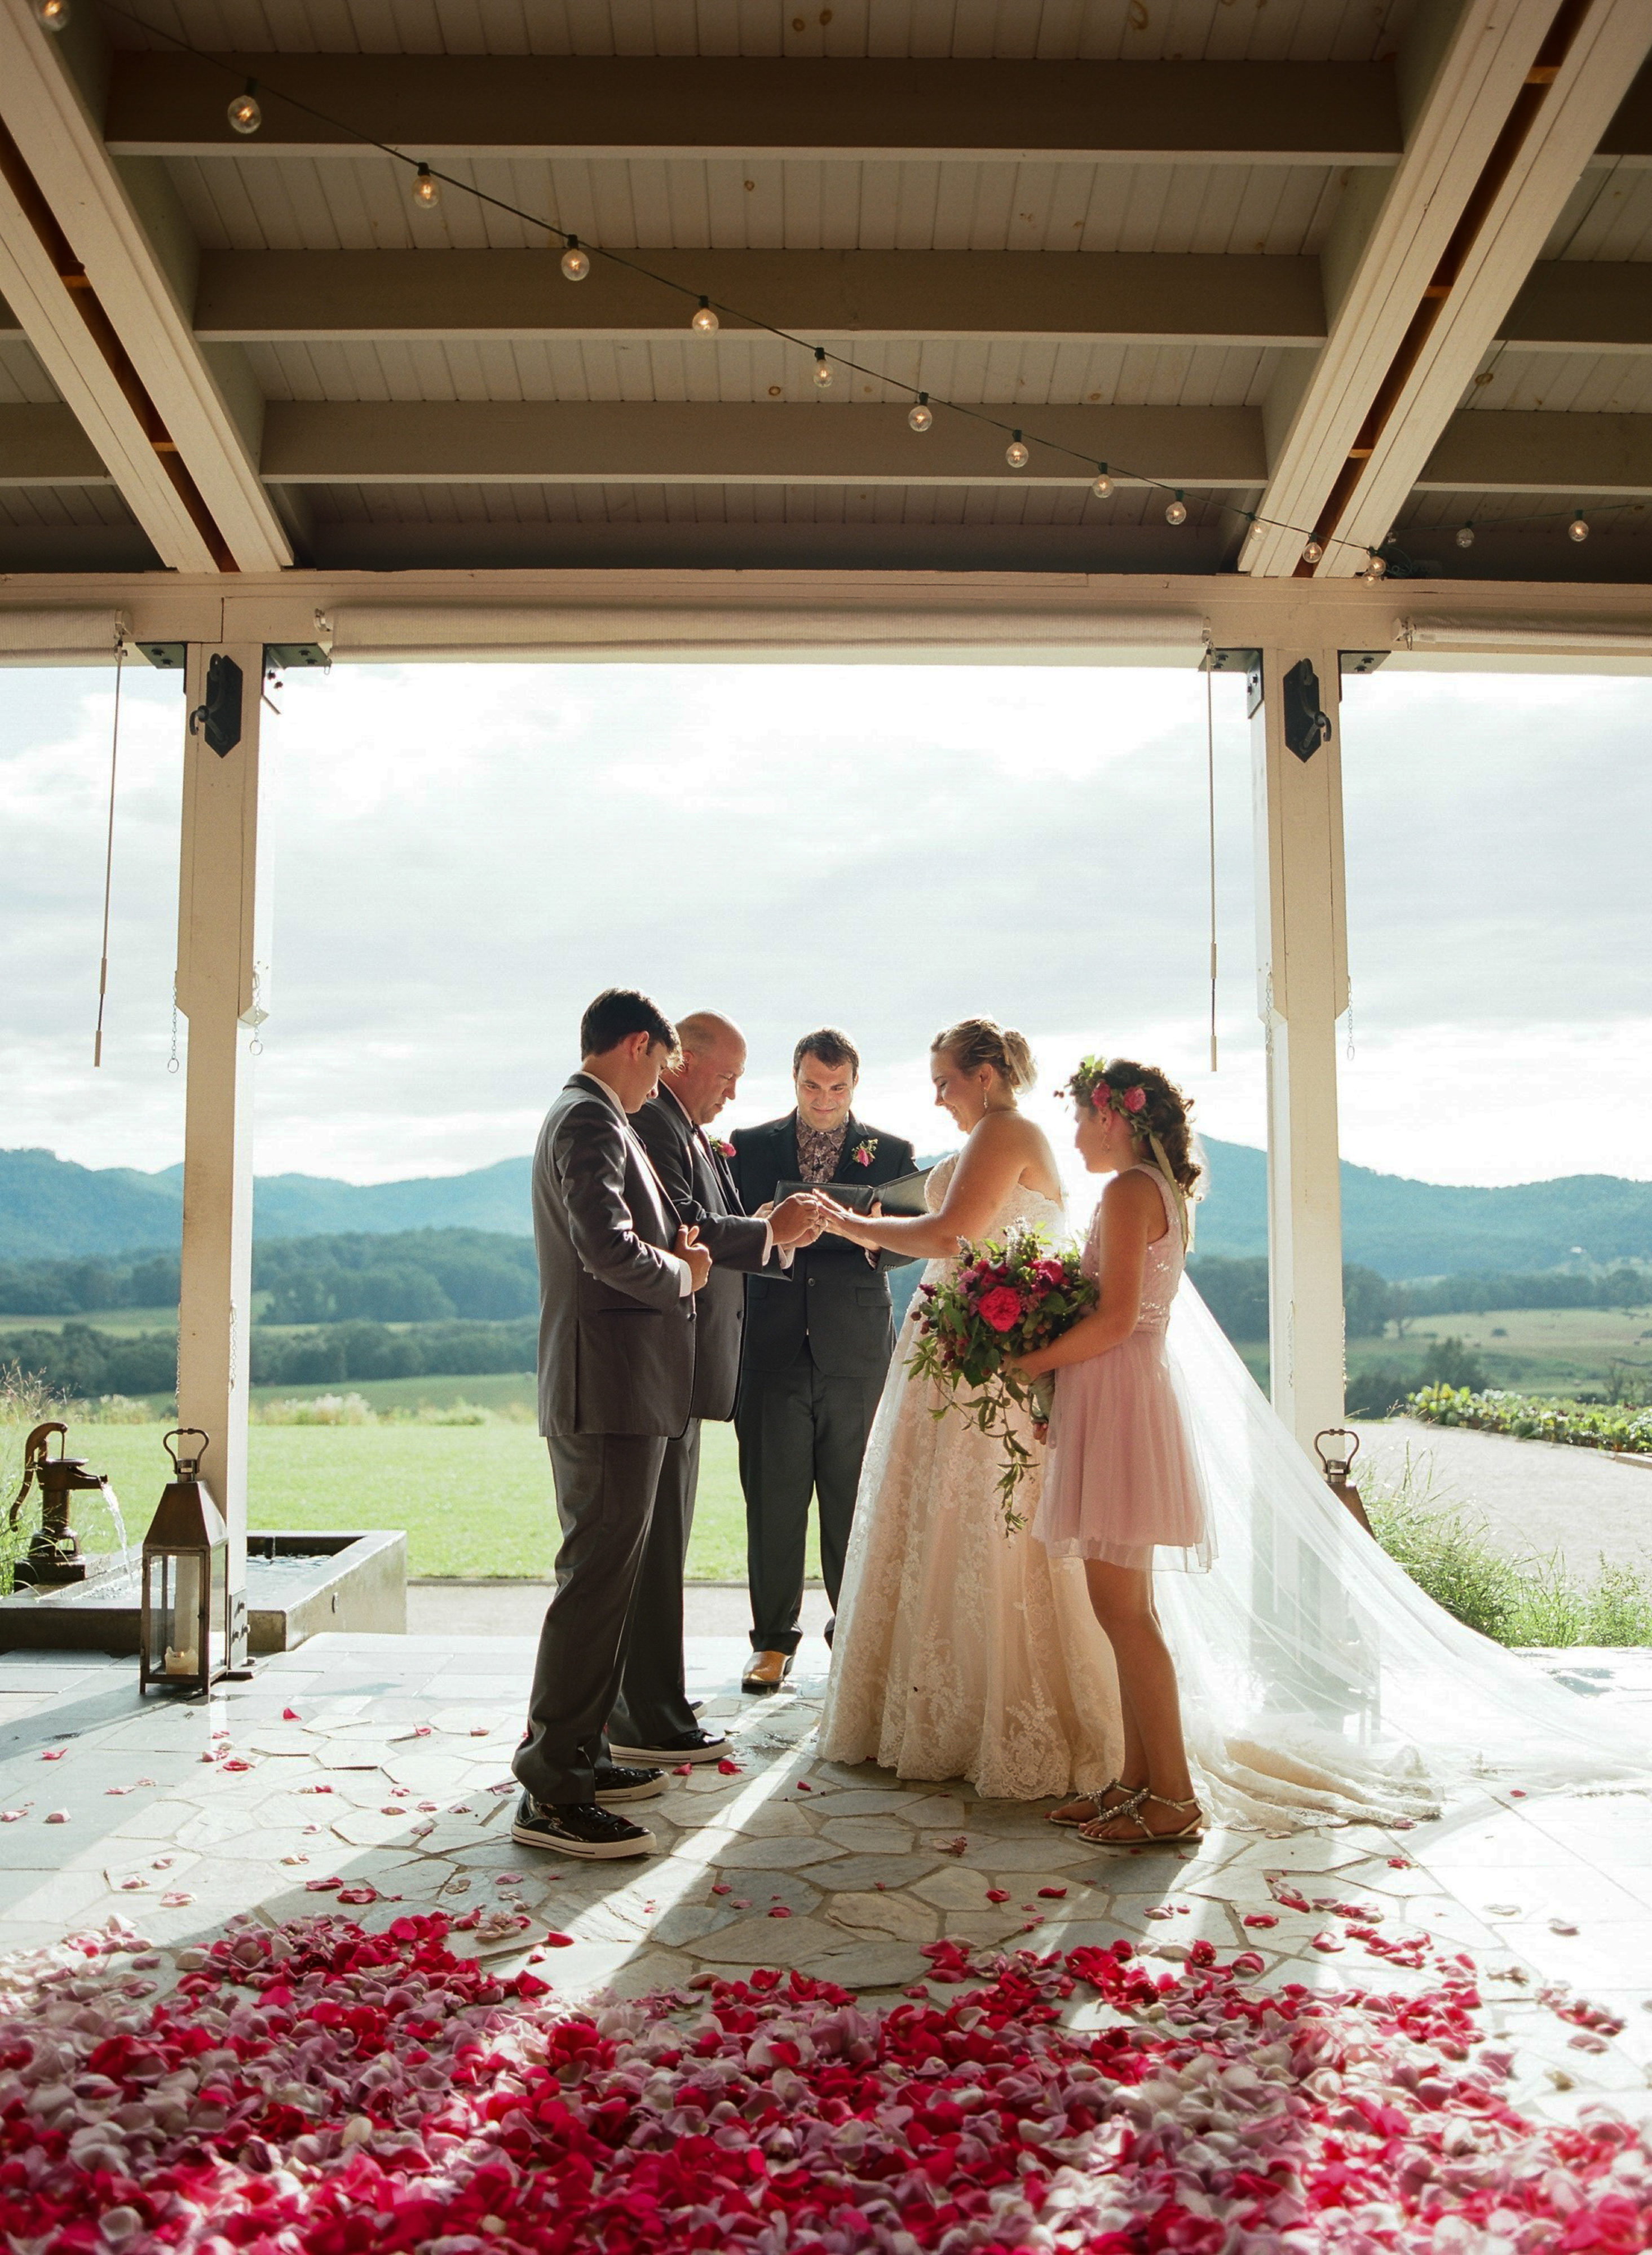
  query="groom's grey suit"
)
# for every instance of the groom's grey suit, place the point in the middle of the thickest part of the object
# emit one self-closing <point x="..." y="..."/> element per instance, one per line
<point x="617" y="1379"/>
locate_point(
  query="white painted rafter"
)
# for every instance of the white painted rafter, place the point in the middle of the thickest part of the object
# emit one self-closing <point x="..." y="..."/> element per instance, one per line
<point x="1378" y="267"/>
<point x="59" y="141"/>
<point x="1600" y="65"/>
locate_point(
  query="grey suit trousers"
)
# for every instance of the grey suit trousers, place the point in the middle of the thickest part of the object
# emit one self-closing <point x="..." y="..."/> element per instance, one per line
<point x="653" y="1702"/>
<point x="605" y="1485"/>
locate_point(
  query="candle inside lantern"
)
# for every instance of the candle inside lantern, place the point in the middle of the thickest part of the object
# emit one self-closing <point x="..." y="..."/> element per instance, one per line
<point x="187" y="1662"/>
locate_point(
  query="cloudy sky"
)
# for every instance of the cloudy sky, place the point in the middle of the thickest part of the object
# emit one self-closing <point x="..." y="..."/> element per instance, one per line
<point x="463" y="855"/>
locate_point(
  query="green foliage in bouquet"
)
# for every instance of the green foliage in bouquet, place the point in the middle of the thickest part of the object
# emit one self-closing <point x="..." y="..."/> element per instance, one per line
<point x="1002" y="1300"/>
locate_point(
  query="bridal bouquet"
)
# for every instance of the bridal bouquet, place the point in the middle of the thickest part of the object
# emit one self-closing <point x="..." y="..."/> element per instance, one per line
<point x="1002" y="1301"/>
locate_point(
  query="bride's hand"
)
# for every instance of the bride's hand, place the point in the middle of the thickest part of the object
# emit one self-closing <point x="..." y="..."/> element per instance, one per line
<point x="1027" y="1367"/>
<point x="858" y="1228"/>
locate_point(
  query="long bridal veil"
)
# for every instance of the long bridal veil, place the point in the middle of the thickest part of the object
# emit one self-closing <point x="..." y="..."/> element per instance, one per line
<point x="1318" y="1680"/>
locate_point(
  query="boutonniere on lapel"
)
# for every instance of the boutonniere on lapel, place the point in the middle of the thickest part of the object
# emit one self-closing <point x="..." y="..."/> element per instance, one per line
<point x="723" y="1148"/>
<point x="865" y="1151"/>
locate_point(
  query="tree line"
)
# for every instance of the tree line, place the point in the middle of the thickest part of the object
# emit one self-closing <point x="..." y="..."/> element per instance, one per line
<point x="409" y="1276"/>
<point x="1236" y="1292"/>
<point x="81" y="1360"/>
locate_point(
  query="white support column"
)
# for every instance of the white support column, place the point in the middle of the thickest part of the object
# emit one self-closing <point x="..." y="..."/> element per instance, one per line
<point x="1301" y="959"/>
<point x="223" y="990"/>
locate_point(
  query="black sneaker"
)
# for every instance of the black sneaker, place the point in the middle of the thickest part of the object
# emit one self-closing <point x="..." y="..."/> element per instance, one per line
<point x="614" y="1782"/>
<point x="676" y="1746"/>
<point x="579" y="1827"/>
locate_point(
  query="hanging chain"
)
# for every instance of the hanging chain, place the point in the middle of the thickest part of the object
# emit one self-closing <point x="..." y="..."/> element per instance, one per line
<point x="109" y="851"/>
<point x="171" y="1062"/>
<point x="1210" y="795"/>
<point x="1348" y="1051"/>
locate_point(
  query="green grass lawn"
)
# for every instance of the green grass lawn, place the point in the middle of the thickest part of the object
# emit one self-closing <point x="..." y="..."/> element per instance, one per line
<point x="475" y="1500"/>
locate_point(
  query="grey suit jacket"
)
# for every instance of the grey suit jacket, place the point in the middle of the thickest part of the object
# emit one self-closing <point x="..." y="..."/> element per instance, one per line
<point x="617" y="1332"/>
<point x="700" y="1184"/>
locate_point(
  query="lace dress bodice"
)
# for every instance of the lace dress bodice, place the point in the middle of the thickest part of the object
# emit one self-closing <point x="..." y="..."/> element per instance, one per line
<point x="1021" y="1206"/>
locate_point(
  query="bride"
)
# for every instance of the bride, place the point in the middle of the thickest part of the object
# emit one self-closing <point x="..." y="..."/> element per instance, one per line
<point x="960" y="1652"/>
<point x="1318" y="1683"/>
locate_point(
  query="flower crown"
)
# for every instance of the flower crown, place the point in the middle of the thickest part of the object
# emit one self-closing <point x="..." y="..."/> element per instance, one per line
<point x="1090" y="1085"/>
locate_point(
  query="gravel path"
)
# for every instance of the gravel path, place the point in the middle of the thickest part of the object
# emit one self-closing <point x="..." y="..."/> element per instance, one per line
<point x="1533" y="1495"/>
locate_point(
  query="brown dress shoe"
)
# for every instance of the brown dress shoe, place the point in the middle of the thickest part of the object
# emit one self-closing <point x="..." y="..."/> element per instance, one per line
<point x="767" y="1671"/>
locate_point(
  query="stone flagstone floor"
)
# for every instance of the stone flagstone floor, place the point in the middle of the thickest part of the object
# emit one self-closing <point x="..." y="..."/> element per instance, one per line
<point x="381" y="1764"/>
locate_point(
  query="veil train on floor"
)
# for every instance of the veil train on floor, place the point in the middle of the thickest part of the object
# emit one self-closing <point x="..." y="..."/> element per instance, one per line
<point x="1316" y="1677"/>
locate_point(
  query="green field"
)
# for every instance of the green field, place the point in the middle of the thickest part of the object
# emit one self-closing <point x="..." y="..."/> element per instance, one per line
<point x="475" y="1500"/>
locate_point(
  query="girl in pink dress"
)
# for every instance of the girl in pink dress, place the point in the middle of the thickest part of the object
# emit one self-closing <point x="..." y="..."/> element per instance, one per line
<point x="1123" y="1491"/>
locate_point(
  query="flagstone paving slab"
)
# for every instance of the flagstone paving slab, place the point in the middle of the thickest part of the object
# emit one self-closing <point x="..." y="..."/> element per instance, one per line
<point x="868" y="1868"/>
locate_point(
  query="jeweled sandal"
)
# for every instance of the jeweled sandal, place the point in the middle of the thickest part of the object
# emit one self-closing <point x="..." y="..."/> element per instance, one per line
<point x="1127" y="1806"/>
<point x="1194" y="1830"/>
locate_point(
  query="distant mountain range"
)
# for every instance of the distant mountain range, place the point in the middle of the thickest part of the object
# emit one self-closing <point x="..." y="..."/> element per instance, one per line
<point x="50" y="1207"/>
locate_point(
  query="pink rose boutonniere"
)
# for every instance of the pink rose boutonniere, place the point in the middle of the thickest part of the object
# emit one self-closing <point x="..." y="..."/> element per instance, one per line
<point x="725" y="1148"/>
<point x="865" y="1151"/>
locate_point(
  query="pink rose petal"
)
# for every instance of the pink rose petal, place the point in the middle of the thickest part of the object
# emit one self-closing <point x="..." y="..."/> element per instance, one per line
<point x="290" y="1714"/>
<point x="998" y="1894"/>
<point x="726" y="1768"/>
<point x="54" y="1753"/>
<point x="58" y="1816"/>
<point x="1052" y="1891"/>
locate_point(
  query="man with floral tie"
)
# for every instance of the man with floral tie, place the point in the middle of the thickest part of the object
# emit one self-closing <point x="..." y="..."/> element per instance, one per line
<point x="652" y="1720"/>
<point x="816" y="1350"/>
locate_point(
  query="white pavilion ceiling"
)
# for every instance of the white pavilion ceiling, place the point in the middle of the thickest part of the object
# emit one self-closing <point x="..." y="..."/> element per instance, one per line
<point x="1075" y="291"/>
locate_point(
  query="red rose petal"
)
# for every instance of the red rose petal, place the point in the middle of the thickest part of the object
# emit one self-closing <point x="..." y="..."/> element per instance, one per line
<point x="726" y="1768"/>
<point x="558" y="1941"/>
<point x="998" y="1894"/>
<point x="1052" y="1891"/>
<point x="684" y="1769"/>
<point x="290" y="1714"/>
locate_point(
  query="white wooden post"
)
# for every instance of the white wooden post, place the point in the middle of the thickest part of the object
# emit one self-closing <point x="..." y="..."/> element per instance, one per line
<point x="1303" y="976"/>
<point x="223" y="990"/>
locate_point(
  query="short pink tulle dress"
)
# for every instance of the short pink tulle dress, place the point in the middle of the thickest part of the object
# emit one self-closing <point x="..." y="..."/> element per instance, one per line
<point x="1124" y="1482"/>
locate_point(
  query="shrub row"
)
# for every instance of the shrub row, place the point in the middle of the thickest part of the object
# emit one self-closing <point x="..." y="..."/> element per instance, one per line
<point x="1533" y="1417"/>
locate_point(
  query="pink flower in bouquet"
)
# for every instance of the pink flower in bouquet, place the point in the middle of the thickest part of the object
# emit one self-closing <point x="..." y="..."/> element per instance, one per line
<point x="1001" y="1308"/>
<point x="1050" y="1273"/>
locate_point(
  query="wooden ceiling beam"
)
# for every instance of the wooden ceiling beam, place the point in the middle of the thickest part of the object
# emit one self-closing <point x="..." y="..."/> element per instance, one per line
<point x="1462" y="77"/>
<point x="167" y="104"/>
<point x="1605" y="47"/>
<point x="271" y="295"/>
<point x="91" y="204"/>
<point x="587" y="442"/>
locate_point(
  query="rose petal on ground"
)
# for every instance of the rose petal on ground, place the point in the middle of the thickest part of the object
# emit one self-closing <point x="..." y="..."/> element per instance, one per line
<point x="727" y="1768"/>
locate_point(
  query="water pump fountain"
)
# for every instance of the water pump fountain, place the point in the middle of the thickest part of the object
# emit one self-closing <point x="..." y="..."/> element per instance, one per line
<point x="53" y="1558"/>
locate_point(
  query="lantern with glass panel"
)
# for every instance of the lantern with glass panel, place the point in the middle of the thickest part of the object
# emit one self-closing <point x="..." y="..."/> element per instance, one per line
<point x="185" y="1626"/>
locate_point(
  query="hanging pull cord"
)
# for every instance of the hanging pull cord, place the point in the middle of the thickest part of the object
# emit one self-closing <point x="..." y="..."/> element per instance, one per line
<point x="109" y="851"/>
<point x="1210" y="796"/>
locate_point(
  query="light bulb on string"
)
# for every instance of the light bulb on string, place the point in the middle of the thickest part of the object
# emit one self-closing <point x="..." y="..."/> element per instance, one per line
<point x="1103" y="487"/>
<point x="54" y="14"/>
<point x="1311" y="552"/>
<point x="1016" y="453"/>
<point x="822" y="369"/>
<point x="427" y="189"/>
<point x="923" y="415"/>
<point x="704" y="319"/>
<point x="1466" y="536"/>
<point x="1578" y="529"/>
<point x="1375" y="568"/>
<point x="244" y="113"/>
<point x="576" y="264"/>
<point x="1177" y="513"/>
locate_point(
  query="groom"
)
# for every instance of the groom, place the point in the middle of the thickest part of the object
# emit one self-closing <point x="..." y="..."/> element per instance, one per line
<point x="816" y="1350"/>
<point x="619" y="1268"/>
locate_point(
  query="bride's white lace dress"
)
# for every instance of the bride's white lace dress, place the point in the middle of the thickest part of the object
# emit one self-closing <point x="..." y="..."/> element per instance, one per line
<point x="960" y="1650"/>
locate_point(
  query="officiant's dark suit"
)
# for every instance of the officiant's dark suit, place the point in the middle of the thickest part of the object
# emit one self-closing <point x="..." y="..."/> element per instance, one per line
<point x="653" y="1707"/>
<point x="817" y="1351"/>
<point x="617" y="1331"/>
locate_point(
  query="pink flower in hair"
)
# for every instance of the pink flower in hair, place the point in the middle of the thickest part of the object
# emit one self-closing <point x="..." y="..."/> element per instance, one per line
<point x="1101" y="1096"/>
<point x="1136" y="1099"/>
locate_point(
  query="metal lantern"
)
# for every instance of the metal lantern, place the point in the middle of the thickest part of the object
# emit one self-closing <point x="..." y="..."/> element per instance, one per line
<point x="1339" y="1470"/>
<point x="185" y="1622"/>
<point x="54" y="1557"/>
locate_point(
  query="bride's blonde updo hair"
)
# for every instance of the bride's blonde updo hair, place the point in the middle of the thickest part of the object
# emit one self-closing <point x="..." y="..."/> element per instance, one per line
<point x="976" y="1041"/>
